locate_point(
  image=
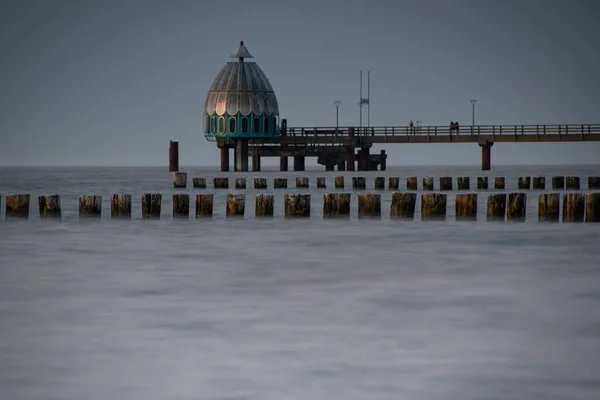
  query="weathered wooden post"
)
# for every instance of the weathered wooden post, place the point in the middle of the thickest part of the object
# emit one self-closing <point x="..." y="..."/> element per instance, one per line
<point x="321" y="182"/>
<point x="411" y="183"/>
<point x="445" y="183"/>
<point x="482" y="182"/>
<point x="280" y="183"/>
<point x="336" y="204"/>
<point x="179" y="179"/>
<point x="240" y="183"/>
<point x="433" y="206"/>
<point x="548" y="207"/>
<point x="496" y="206"/>
<point x="592" y="207"/>
<point x="120" y="206"/>
<point x="573" y="207"/>
<point x="379" y="183"/>
<point x="539" y="182"/>
<point x="572" y="182"/>
<point x="199" y="183"/>
<point x="463" y="183"/>
<point x="427" y="183"/>
<point x="339" y="182"/>
<point x="466" y="207"/>
<point x="593" y="182"/>
<point x="296" y="205"/>
<point x="359" y="182"/>
<point x="260" y="183"/>
<point x="524" y="182"/>
<point x="393" y="183"/>
<point x="499" y="182"/>
<point x="236" y="205"/>
<point x="221" y="183"/>
<point x="516" y="207"/>
<point x="302" y="182"/>
<point x="369" y="205"/>
<point x="403" y="205"/>
<point x="204" y="205"/>
<point x="49" y="206"/>
<point x="17" y="206"/>
<point x="264" y="205"/>
<point x="558" y="182"/>
<point x="90" y="206"/>
<point x="151" y="205"/>
<point x="181" y="205"/>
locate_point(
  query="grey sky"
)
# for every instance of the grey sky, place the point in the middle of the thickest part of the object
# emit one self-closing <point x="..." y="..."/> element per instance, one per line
<point x="111" y="82"/>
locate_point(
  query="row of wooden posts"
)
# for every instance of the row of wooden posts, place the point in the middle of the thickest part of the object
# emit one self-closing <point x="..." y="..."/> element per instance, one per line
<point x="577" y="207"/>
<point x="359" y="182"/>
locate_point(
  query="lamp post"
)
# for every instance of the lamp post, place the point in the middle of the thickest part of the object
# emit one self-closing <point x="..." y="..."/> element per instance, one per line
<point x="337" y="119"/>
<point x="473" y="120"/>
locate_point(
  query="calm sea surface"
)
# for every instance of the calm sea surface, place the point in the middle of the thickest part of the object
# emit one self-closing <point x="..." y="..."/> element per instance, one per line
<point x="293" y="309"/>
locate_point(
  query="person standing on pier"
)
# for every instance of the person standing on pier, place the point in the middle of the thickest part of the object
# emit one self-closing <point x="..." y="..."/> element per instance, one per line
<point x="451" y="127"/>
<point x="412" y="127"/>
<point x="456" y="127"/>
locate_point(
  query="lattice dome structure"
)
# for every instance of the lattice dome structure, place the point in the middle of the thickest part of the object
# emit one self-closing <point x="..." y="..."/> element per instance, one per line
<point x="241" y="102"/>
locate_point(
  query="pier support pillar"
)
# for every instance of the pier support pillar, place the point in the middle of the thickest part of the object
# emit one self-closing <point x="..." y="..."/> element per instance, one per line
<point x="486" y="156"/>
<point x="241" y="155"/>
<point x="225" y="159"/>
<point x="364" y="160"/>
<point x="350" y="159"/>
<point x="283" y="163"/>
<point x="255" y="161"/>
<point x="298" y="163"/>
<point x="382" y="160"/>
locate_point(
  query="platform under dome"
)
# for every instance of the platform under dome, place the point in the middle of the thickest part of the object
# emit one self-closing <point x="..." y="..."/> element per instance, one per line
<point x="241" y="102"/>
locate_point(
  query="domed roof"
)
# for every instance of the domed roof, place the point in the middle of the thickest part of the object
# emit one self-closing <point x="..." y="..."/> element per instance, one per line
<point x="241" y="87"/>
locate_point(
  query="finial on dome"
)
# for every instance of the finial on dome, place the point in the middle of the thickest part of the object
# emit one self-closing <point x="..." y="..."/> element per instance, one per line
<point x="241" y="51"/>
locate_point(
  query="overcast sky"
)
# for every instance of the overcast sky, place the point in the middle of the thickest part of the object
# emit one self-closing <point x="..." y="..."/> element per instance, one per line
<point x="111" y="82"/>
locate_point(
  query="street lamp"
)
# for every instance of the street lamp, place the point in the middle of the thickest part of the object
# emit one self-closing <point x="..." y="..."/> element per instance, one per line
<point x="337" y="119"/>
<point x="473" y="119"/>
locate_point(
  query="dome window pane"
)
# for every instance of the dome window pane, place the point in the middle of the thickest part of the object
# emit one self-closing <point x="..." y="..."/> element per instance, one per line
<point x="212" y="125"/>
<point x="245" y="125"/>
<point x="267" y="125"/>
<point x="221" y="125"/>
<point x="256" y="127"/>
<point x="232" y="127"/>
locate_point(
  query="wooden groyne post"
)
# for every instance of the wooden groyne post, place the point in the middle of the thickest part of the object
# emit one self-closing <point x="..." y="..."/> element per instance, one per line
<point x="369" y="205"/>
<point x="573" y="207"/>
<point x="593" y="182"/>
<point x="280" y="183"/>
<point x="499" y="182"/>
<point x="181" y="205"/>
<point x="433" y="206"/>
<point x="548" y="207"/>
<point x="264" y="205"/>
<point x="321" y="182"/>
<point x="336" y="205"/>
<point x="90" y="206"/>
<point x="221" y="183"/>
<point x="516" y="207"/>
<point x="151" y="205"/>
<point x="411" y="183"/>
<point x="359" y="182"/>
<point x="199" y="183"/>
<point x="260" y="183"/>
<point x="466" y="207"/>
<point x="49" y="206"/>
<point x="379" y="183"/>
<point x="572" y="182"/>
<point x="240" y="183"/>
<point x="296" y="205"/>
<point x="496" y="207"/>
<point x="539" y="182"/>
<point x="427" y="183"/>
<point x="236" y="205"/>
<point x="179" y="179"/>
<point x="592" y="207"/>
<point x="403" y="205"/>
<point x="463" y="183"/>
<point x="524" y="183"/>
<point x="339" y="182"/>
<point x="558" y="182"/>
<point x="482" y="182"/>
<point x="393" y="183"/>
<point x="204" y="205"/>
<point x="17" y="206"/>
<point x="120" y="206"/>
<point x="445" y="183"/>
<point x="302" y="182"/>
